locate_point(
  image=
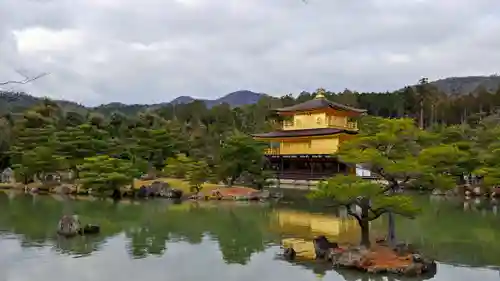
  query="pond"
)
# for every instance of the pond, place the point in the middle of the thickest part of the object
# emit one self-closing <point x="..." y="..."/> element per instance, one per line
<point x="159" y="240"/>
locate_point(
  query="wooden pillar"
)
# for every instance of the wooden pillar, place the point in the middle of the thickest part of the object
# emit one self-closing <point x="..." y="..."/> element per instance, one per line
<point x="278" y="174"/>
<point x="281" y="165"/>
<point x="311" y="167"/>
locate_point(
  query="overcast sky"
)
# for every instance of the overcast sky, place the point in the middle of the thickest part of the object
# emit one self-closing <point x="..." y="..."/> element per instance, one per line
<point x="149" y="51"/>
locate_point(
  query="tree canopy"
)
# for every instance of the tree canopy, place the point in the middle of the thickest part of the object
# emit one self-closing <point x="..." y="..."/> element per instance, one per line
<point x="406" y="156"/>
<point x="370" y="198"/>
<point x="450" y="146"/>
<point x="399" y="152"/>
<point x="47" y="139"/>
<point x="104" y="172"/>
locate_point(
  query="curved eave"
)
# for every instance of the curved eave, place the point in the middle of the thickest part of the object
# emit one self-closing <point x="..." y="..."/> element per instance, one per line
<point x="357" y="111"/>
<point x="308" y="133"/>
<point x="289" y="137"/>
<point x="319" y="104"/>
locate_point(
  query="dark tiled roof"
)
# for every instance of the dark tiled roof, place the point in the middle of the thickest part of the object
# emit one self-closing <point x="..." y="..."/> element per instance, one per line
<point x="303" y="133"/>
<point x="318" y="103"/>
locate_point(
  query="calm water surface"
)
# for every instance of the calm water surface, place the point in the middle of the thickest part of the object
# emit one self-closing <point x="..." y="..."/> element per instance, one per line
<point x="159" y="240"/>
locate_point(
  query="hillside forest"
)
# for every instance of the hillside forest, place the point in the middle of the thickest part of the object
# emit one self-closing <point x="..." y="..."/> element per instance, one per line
<point x="200" y="143"/>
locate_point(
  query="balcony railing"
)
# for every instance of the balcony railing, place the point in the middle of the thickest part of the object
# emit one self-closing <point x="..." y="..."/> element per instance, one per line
<point x="289" y="126"/>
<point x="300" y="150"/>
<point x="340" y="124"/>
<point x="272" y="151"/>
<point x="329" y="124"/>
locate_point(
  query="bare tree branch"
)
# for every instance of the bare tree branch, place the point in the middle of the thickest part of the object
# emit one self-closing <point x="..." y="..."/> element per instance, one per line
<point x="26" y="79"/>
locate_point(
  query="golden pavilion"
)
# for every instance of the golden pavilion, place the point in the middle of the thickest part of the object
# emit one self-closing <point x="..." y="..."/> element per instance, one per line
<point x="304" y="148"/>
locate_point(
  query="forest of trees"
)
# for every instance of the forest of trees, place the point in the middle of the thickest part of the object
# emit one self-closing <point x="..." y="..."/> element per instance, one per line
<point x="111" y="151"/>
<point x="49" y="137"/>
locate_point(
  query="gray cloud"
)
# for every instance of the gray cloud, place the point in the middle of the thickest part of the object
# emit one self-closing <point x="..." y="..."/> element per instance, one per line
<point x="119" y="50"/>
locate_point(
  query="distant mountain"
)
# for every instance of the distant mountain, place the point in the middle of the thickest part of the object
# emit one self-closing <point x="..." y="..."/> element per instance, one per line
<point x="129" y="109"/>
<point x="18" y="102"/>
<point x="234" y="99"/>
<point x="240" y="98"/>
<point x="466" y="85"/>
<point x="182" y="99"/>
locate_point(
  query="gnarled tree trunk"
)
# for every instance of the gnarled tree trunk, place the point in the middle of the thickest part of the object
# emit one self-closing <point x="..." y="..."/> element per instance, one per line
<point x="391" y="231"/>
<point x="365" y="233"/>
<point x="363" y="221"/>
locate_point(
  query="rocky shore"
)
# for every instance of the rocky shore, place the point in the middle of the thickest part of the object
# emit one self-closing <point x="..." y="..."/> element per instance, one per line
<point x="153" y="189"/>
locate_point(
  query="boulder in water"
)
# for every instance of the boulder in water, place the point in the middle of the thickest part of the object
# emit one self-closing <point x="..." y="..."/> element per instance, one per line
<point x="68" y="226"/>
<point x="289" y="254"/>
<point x="158" y="188"/>
<point x="322" y="247"/>
<point x="143" y="192"/>
<point x="62" y="189"/>
<point x="173" y="193"/>
<point x="89" y="229"/>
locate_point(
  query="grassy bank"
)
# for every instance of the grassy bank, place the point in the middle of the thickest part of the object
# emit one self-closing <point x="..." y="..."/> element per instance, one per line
<point x="176" y="183"/>
<point x="173" y="182"/>
<point x="181" y="184"/>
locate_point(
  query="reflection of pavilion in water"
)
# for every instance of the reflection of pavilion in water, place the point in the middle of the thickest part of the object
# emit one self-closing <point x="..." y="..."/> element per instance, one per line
<point x="306" y="226"/>
<point x="298" y="228"/>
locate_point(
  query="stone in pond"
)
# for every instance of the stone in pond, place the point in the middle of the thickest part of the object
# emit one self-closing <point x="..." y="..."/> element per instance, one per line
<point x="143" y="192"/>
<point x="68" y="226"/>
<point x="159" y="188"/>
<point x="174" y="193"/>
<point x="322" y="247"/>
<point x="289" y="254"/>
<point x="89" y="229"/>
<point x="62" y="189"/>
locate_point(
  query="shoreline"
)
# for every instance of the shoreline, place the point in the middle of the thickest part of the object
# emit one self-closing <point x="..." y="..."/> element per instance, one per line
<point x="170" y="188"/>
<point x="208" y="188"/>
